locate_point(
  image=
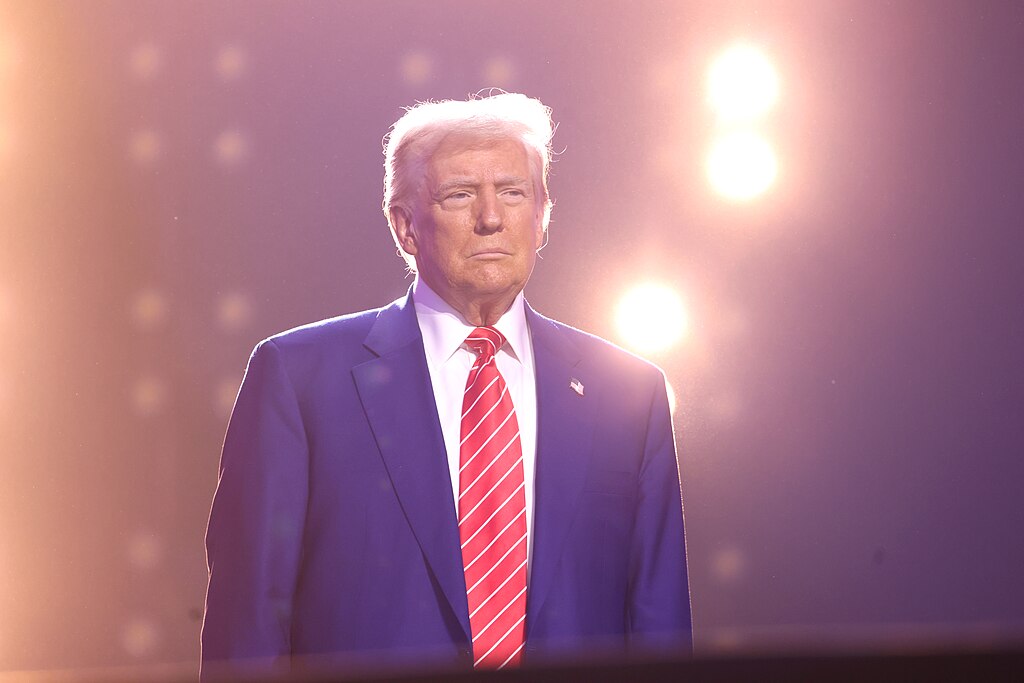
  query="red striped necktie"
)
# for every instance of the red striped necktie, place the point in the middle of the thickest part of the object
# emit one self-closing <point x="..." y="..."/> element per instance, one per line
<point x="492" y="509"/>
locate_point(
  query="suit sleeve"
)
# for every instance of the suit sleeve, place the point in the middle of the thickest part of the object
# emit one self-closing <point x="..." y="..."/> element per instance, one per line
<point x="659" y="597"/>
<point x="253" y="541"/>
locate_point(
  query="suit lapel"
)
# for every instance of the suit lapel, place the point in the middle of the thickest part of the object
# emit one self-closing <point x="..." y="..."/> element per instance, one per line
<point x="397" y="397"/>
<point x="564" y="432"/>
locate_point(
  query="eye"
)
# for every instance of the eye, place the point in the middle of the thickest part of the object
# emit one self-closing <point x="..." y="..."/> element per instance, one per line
<point x="456" y="199"/>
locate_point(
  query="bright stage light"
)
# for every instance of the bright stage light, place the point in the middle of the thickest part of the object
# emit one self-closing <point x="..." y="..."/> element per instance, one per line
<point x="651" y="318"/>
<point x="742" y="84"/>
<point x="742" y="165"/>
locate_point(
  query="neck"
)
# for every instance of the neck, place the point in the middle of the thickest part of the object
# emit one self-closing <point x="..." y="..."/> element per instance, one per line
<point x="483" y="314"/>
<point x="476" y="310"/>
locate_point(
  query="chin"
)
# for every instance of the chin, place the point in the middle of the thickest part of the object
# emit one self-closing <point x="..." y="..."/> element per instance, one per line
<point x="495" y="286"/>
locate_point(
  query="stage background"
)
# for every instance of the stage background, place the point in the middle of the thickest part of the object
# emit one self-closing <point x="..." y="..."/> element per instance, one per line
<point x="179" y="180"/>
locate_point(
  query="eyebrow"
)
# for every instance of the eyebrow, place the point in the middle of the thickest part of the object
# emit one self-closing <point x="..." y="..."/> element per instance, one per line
<point x="452" y="184"/>
<point x="504" y="181"/>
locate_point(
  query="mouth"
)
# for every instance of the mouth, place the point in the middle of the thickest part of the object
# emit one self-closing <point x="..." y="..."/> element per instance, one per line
<point x="490" y="254"/>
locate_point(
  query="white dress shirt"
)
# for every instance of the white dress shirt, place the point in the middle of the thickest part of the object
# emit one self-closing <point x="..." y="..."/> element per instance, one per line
<point x="449" y="361"/>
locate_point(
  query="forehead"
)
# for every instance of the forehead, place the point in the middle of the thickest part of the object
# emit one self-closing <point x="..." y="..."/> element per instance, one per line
<point x="475" y="156"/>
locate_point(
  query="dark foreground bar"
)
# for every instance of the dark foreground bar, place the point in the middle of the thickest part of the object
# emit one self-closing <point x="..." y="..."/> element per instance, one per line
<point x="948" y="667"/>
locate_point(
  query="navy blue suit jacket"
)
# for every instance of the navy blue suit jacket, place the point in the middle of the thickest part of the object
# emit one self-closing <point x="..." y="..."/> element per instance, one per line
<point x="333" y="529"/>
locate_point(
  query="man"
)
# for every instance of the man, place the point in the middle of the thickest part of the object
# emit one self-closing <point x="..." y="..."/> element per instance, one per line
<point x="452" y="479"/>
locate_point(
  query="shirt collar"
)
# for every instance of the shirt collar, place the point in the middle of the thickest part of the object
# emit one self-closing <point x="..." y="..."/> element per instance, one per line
<point x="444" y="329"/>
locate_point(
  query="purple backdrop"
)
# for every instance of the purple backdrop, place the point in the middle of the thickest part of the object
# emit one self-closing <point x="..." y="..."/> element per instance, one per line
<point x="180" y="179"/>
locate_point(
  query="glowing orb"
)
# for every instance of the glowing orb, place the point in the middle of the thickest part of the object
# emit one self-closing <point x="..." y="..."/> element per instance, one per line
<point x="416" y="68"/>
<point x="742" y="84"/>
<point x="742" y="165"/>
<point x="145" y="146"/>
<point x="145" y="61"/>
<point x="149" y="395"/>
<point x="231" y="62"/>
<point x="231" y="147"/>
<point x="651" y="318"/>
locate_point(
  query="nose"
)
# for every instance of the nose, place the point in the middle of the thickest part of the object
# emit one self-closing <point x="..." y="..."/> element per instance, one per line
<point x="489" y="218"/>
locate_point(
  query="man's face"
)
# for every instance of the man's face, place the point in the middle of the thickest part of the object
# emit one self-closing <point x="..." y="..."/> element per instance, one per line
<point x="475" y="225"/>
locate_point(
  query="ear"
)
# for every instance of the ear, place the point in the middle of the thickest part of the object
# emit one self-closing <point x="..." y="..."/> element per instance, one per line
<point x="541" y="235"/>
<point x="401" y="223"/>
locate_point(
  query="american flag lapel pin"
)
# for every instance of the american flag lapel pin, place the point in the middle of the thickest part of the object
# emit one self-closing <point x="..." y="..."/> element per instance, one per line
<point x="576" y="385"/>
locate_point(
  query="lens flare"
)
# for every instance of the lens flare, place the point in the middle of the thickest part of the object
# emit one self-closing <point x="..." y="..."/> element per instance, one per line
<point x="742" y="84"/>
<point x="742" y="165"/>
<point x="651" y="318"/>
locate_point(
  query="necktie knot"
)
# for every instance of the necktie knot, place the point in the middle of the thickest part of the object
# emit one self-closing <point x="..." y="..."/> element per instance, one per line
<point x="485" y="342"/>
